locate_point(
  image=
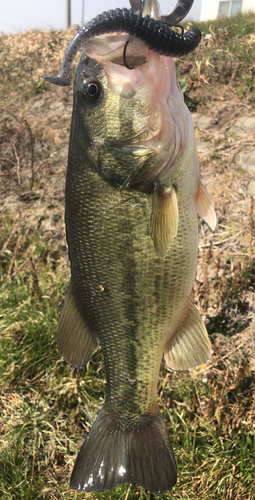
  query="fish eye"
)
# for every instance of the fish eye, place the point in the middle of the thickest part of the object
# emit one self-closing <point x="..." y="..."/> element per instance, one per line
<point x="90" y="91"/>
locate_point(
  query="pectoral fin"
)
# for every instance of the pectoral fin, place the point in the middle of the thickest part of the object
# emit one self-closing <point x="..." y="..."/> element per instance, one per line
<point x="190" y="346"/>
<point x="205" y="207"/>
<point x="164" y="219"/>
<point x="76" y="344"/>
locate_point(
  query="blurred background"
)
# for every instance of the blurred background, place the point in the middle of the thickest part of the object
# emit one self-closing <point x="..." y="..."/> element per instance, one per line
<point x="46" y="406"/>
<point x="23" y="15"/>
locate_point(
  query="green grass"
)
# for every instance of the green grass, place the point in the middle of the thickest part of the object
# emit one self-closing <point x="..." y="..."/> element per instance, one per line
<point x="47" y="407"/>
<point x="239" y="25"/>
<point x="226" y="55"/>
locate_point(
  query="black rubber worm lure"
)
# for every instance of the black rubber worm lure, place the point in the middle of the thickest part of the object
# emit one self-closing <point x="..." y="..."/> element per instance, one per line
<point x="155" y="33"/>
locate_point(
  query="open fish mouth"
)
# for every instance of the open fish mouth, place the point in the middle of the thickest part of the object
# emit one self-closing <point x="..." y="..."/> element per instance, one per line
<point x="164" y="131"/>
<point x="156" y="138"/>
<point x="156" y="33"/>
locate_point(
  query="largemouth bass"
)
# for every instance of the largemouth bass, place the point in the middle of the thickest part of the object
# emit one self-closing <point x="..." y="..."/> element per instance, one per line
<point x="133" y="192"/>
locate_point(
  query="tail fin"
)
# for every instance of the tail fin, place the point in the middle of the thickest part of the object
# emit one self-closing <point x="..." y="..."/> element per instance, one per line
<point x="110" y="456"/>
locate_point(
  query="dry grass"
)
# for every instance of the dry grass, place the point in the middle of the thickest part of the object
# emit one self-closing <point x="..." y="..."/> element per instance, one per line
<point x="26" y="56"/>
<point x="46" y="408"/>
<point x="226" y="55"/>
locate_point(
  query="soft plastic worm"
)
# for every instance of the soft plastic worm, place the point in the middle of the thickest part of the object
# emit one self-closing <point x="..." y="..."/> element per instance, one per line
<point x="156" y="34"/>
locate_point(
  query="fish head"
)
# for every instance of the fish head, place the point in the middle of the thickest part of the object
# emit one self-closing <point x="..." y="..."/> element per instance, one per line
<point x="132" y="123"/>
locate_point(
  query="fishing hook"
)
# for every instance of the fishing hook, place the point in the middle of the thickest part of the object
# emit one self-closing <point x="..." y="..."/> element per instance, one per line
<point x="127" y="42"/>
<point x="124" y="56"/>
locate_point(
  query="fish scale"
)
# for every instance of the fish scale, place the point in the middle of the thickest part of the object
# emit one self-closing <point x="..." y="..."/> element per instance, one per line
<point x="112" y="249"/>
<point x="133" y="192"/>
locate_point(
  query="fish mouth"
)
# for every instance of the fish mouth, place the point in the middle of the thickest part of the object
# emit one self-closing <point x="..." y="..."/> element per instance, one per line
<point x="167" y="42"/>
<point x="163" y="133"/>
<point x="157" y="120"/>
<point x="111" y="47"/>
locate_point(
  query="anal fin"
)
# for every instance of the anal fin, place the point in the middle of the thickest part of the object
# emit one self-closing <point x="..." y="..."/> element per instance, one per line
<point x="205" y="207"/>
<point x="164" y="219"/>
<point x="190" y="346"/>
<point x="76" y="343"/>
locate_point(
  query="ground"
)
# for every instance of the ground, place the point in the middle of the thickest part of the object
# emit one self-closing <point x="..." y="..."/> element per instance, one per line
<point x="47" y="408"/>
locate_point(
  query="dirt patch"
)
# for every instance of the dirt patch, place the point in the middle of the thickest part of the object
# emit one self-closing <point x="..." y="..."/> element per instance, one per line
<point x="34" y="136"/>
